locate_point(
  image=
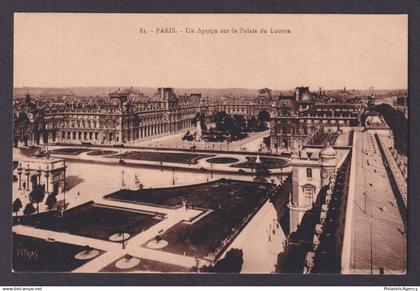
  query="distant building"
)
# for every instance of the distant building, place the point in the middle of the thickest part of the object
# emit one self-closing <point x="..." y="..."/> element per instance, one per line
<point x="127" y="116"/>
<point x="295" y="119"/>
<point x="28" y="123"/>
<point x="119" y="120"/>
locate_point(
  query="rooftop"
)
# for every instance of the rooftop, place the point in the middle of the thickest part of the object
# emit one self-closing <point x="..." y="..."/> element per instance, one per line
<point x="379" y="240"/>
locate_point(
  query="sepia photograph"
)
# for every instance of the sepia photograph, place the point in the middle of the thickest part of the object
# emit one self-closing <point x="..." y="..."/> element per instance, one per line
<point x="210" y="143"/>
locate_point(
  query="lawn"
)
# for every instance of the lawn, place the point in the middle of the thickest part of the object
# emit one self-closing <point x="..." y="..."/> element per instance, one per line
<point x="270" y="163"/>
<point x="233" y="203"/>
<point x="95" y="221"/>
<point x="37" y="255"/>
<point x="101" y="152"/>
<point x="222" y="160"/>
<point x="148" y="266"/>
<point x="183" y="158"/>
<point x="69" y="151"/>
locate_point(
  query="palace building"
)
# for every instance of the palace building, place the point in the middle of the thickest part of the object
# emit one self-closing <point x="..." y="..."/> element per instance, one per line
<point x="294" y="119"/>
<point x="117" y="121"/>
<point x="126" y="116"/>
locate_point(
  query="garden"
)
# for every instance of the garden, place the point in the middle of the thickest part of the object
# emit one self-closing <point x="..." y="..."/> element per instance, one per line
<point x="134" y="264"/>
<point x="69" y="151"/>
<point x="269" y="163"/>
<point x="233" y="204"/>
<point x="222" y="160"/>
<point x="95" y="221"/>
<point x="101" y="152"/>
<point x="182" y="158"/>
<point x="38" y="255"/>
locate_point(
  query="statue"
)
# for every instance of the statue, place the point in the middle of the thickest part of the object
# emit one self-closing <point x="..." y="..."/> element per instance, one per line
<point x="137" y="184"/>
<point x="199" y="132"/>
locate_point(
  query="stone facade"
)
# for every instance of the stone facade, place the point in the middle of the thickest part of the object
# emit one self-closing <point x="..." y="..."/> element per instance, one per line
<point x="117" y="121"/>
<point x="311" y="172"/>
<point x="50" y="172"/>
<point x="296" y="118"/>
<point x="125" y="117"/>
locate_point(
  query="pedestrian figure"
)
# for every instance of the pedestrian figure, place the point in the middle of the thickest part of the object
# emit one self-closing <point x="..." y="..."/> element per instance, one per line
<point x="268" y="235"/>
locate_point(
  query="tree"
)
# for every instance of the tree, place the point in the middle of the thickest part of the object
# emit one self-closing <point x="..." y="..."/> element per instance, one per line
<point x="401" y="100"/>
<point x="240" y="123"/>
<point x="37" y="195"/>
<point x="51" y="201"/>
<point x="231" y="263"/>
<point x="29" y="209"/>
<point x="202" y="119"/>
<point x="223" y="121"/>
<point x="263" y="118"/>
<point x="17" y="205"/>
<point x="399" y="125"/>
<point x="267" y="141"/>
<point x="252" y="124"/>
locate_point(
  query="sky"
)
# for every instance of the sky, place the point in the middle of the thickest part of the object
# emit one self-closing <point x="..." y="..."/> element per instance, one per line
<point x="328" y="51"/>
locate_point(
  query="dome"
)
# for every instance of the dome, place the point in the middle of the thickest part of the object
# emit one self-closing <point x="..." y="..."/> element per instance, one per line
<point x="328" y="152"/>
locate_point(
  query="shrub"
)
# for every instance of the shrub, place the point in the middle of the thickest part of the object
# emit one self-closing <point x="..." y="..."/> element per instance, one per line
<point x="231" y="263"/>
<point x="29" y="209"/>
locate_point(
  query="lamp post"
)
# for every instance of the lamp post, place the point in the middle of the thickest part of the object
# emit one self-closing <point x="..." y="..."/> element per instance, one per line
<point x="64" y="188"/>
<point x="27" y="173"/>
<point x="122" y="179"/>
<point x="371" y="248"/>
<point x="19" y="171"/>
<point x="123" y="241"/>
<point x="173" y="176"/>
<point x="364" y="194"/>
<point x="47" y="174"/>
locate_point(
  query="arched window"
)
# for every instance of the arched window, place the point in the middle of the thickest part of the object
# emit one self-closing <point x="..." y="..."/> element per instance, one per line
<point x="308" y="173"/>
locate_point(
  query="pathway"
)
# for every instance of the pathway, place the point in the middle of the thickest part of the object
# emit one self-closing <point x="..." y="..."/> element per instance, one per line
<point x="134" y="248"/>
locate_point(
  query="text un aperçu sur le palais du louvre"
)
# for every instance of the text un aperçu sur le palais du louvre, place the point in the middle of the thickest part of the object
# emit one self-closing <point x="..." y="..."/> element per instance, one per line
<point x="213" y="31"/>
